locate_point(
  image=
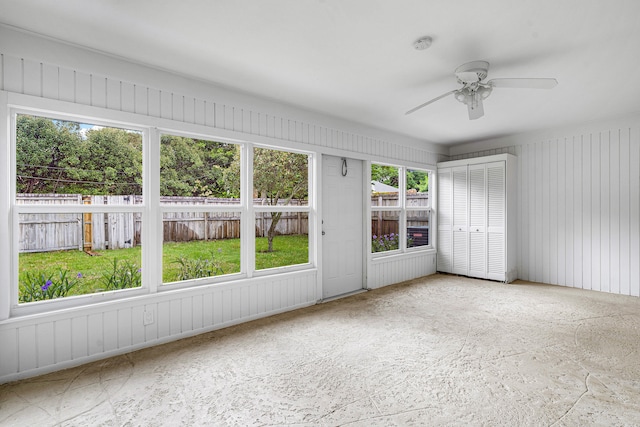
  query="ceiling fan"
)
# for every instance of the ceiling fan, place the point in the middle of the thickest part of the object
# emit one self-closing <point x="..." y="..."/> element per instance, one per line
<point x="474" y="90"/>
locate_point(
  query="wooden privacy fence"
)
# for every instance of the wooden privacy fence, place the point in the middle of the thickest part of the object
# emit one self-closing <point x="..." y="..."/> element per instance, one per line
<point x="387" y="222"/>
<point x="117" y="230"/>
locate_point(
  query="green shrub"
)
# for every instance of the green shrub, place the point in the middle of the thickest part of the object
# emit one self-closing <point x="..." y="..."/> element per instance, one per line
<point x="195" y="268"/>
<point x="122" y="275"/>
<point x="37" y="286"/>
<point x="388" y="242"/>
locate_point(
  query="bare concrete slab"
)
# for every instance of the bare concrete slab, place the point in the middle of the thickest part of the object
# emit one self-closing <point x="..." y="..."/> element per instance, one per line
<point x="442" y="350"/>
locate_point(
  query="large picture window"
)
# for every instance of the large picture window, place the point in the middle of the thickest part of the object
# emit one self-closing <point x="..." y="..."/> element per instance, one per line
<point x="202" y="209"/>
<point x="400" y="220"/>
<point x="78" y="200"/>
<point x="281" y="205"/>
<point x="84" y="195"/>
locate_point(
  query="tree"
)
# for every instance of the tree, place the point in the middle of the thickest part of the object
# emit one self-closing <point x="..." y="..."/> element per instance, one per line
<point x="417" y="180"/>
<point x="108" y="161"/>
<point x="278" y="177"/>
<point x="385" y="174"/>
<point x="191" y="167"/>
<point x="41" y="147"/>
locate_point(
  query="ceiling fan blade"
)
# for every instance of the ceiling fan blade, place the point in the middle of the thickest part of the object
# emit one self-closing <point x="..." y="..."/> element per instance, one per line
<point x="475" y="107"/>
<point x="429" y="102"/>
<point x="524" y="83"/>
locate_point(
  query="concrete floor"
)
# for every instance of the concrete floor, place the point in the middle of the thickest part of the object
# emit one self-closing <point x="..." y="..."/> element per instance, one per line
<point x="441" y="350"/>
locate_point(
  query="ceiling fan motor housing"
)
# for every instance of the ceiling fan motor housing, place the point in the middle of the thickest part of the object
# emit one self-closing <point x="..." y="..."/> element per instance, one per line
<point x="472" y="72"/>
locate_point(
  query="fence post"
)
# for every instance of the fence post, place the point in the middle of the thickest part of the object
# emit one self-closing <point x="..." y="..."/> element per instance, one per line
<point x="87" y="224"/>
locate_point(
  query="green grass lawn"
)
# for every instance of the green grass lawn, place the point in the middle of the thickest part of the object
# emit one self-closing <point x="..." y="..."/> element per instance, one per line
<point x="288" y="250"/>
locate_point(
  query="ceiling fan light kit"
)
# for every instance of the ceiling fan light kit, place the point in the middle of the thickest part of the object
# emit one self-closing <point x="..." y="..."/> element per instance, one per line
<point x="474" y="90"/>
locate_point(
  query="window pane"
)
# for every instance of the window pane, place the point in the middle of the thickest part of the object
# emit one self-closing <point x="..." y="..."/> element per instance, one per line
<point x="384" y="185"/>
<point x="58" y="160"/>
<point x="200" y="244"/>
<point x="66" y="254"/>
<point x="194" y="171"/>
<point x="417" y="181"/>
<point x="280" y="177"/>
<point x="282" y="239"/>
<point x="418" y="228"/>
<point x="385" y="226"/>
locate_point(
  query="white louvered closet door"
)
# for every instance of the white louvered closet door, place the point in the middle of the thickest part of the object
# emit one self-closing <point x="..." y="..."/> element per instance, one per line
<point x="477" y="221"/>
<point x="460" y="221"/>
<point x="496" y="220"/>
<point x="445" y="220"/>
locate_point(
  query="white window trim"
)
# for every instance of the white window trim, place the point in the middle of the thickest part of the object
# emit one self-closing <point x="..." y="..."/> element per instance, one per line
<point x="402" y="208"/>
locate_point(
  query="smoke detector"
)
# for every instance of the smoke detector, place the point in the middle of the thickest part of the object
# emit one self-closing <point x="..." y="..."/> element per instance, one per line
<point x="423" y="43"/>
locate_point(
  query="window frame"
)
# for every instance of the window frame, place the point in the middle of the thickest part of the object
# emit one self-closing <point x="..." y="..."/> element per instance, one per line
<point x="402" y="209"/>
<point x="151" y="209"/>
<point x="15" y="209"/>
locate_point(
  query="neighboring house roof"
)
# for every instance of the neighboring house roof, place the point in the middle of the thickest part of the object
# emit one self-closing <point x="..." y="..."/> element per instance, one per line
<point x="378" y="187"/>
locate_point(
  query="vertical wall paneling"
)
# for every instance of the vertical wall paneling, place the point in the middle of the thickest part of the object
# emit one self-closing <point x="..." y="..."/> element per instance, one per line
<point x="125" y="327"/>
<point x="50" y="81"/>
<point x="590" y="205"/>
<point x="587" y="214"/>
<point x="199" y="112"/>
<point x="217" y="307"/>
<point x="114" y="94"/>
<point x="197" y="320"/>
<point x="234" y="118"/>
<point x="95" y="333"/>
<point x="625" y="219"/>
<point x="545" y="206"/>
<point x="614" y="203"/>
<point x="157" y="103"/>
<point x="98" y="91"/>
<point x="605" y="206"/>
<point x="539" y="212"/>
<point x="83" y="88"/>
<point x="207" y="310"/>
<point x="128" y="97"/>
<point x="27" y="348"/>
<point x="634" y="210"/>
<point x="523" y="229"/>
<point x="533" y="214"/>
<point x="186" y="314"/>
<point x="189" y="109"/>
<point x="175" y="316"/>
<point x="553" y="212"/>
<point x="138" y="330"/>
<point x="79" y="346"/>
<point x="32" y="77"/>
<point x="45" y="344"/>
<point x="62" y="335"/>
<point x="141" y="99"/>
<point x="166" y="105"/>
<point x="177" y="104"/>
<point x="66" y="85"/>
<point x="595" y="208"/>
<point x="110" y="330"/>
<point x="12" y="73"/>
<point x="8" y="353"/>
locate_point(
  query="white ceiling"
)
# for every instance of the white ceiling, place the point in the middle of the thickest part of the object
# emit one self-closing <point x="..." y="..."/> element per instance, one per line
<point x="355" y="58"/>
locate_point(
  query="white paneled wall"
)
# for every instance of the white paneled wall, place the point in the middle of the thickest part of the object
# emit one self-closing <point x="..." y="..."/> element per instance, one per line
<point x="90" y="83"/>
<point x="29" y="77"/>
<point x="579" y="205"/>
<point x="389" y="270"/>
<point x="39" y="344"/>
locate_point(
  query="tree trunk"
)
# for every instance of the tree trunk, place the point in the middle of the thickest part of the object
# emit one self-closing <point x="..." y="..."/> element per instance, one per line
<point x="275" y="218"/>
